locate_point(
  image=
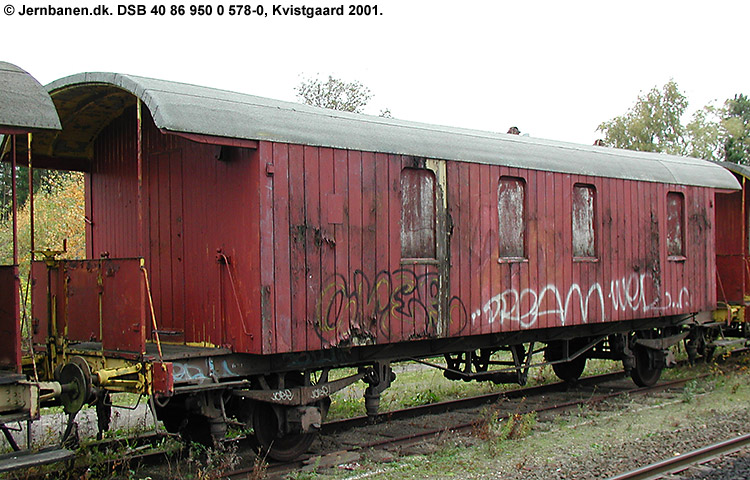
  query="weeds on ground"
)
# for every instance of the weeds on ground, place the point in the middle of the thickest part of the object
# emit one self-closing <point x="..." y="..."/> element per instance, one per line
<point x="689" y="391"/>
<point x="213" y="463"/>
<point x="342" y="407"/>
<point x="496" y="429"/>
<point x="425" y="397"/>
<point x="259" y="468"/>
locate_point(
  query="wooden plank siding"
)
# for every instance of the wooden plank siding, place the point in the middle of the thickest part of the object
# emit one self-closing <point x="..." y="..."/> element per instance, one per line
<point x="730" y="252"/>
<point x="313" y="240"/>
<point x="195" y="206"/>
<point x="629" y="277"/>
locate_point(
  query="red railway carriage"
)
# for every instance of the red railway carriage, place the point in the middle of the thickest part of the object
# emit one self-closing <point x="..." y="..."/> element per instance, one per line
<point x="25" y="107"/>
<point x="242" y="244"/>
<point x="732" y="264"/>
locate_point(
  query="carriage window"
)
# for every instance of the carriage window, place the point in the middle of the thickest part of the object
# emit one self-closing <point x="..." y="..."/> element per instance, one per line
<point x="584" y="235"/>
<point x="675" y="224"/>
<point x="511" y="206"/>
<point x="417" y="213"/>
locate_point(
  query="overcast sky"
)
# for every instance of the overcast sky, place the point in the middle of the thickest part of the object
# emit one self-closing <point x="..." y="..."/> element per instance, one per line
<point x="554" y="69"/>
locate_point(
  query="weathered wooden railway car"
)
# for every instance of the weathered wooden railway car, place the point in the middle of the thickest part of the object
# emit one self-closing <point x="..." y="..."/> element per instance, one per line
<point x="240" y="244"/>
<point x="732" y="262"/>
<point x="25" y="107"/>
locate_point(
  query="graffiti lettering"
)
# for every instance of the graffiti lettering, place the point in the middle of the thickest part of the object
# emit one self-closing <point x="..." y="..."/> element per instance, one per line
<point x="282" y="395"/>
<point x="367" y="305"/>
<point x="631" y="293"/>
<point x="185" y="372"/>
<point x="525" y="307"/>
<point x="321" y="392"/>
<point x="638" y="292"/>
<point x="198" y="373"/>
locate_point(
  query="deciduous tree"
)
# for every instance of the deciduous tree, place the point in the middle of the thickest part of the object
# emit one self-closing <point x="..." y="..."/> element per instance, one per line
<point x="334" y="93"/>
<point x="736" y="126"/>
<point x="653" y="124"/>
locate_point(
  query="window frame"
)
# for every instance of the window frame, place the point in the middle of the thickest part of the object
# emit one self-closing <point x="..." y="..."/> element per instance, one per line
<point x="524" y="257"/>
<point x="577" y="256"/>
<point x="682" y="255"/>
<point x="434" y="247"/>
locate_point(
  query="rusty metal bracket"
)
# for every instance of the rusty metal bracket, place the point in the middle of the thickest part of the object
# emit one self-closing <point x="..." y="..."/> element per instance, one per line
<point x="298" y="396"/>
<point x="661" y="343"/>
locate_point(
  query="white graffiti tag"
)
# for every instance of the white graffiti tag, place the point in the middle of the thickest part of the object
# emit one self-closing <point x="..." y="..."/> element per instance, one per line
<point x="282" y="395"/>
<point x="630" y="293"/>
<point x="525" y="308"/>
<point x="626" y="294"/>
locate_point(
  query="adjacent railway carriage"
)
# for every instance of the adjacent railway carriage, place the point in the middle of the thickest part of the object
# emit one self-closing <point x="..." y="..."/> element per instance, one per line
<point x="241" y="247"/>
<point x="732" y="264"/>
<point x="25" y="107"/>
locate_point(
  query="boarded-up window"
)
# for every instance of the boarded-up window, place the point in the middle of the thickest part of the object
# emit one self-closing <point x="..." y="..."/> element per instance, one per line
<point x="584" y="234"/>
<point x="675" y="224"/>
<point x="417" y="213"/>
<point x="511" y="206"/>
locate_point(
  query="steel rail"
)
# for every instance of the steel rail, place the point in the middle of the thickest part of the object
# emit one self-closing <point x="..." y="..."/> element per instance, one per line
<point x="435" y="408"/>
<point x="549" y="408"/>
<point x="277" y="470"/>
<point x="682" y="462"/>
<point x="462" y="403"/>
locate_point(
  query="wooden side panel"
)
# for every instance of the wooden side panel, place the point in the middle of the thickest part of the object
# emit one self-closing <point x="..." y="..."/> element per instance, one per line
<point x="456" y="310"/>
<point x="333" y="271"/>
<point x="316" y="311"/>
<point x="534" y="226"/>
<point x="547" y="300"/>
<point x="77" y="299"/>
<point x="40" y="285"/>
<point x="232" y="224"/>
<point x="267" y="246"/>
<point x="730" y="265"/>
<point x="94" y="300"/>
<point x="113" y="194"/>
<point x="332" y="297"/>
<point x="200" y="240"/>
<point x="624" y="274"/>
<point x="164" y="182"/>
<point x="298" y="261"/>
<point x="380" y="286"/>
<point x="281" y="250"/>
<point x="123" y="305"/>
<point x="10" y="321"/>
<point x="397" y="330"/>
<point x="372" y="301"/>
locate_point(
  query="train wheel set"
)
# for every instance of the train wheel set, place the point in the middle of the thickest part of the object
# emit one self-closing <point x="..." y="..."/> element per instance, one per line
<point x="242" y="252"/>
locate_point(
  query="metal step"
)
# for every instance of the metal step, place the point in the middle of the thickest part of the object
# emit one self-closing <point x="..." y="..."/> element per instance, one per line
<point x="26" y="458"/>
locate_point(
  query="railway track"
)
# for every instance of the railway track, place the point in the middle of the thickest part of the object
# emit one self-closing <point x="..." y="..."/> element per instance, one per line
<point x="465" y="417"/>
<point x="682" y="462"/>
<point x="548" y="398"/>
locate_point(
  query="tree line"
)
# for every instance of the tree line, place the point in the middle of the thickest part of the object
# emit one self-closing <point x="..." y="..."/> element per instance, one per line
<point x="655" y="124"/>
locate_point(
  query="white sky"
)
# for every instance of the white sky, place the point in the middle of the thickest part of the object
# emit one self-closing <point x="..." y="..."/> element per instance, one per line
<point x="555" y="69"/>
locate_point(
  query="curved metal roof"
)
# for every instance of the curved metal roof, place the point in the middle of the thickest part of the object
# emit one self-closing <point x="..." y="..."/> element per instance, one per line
<point x="25" y="104"/>
<point x="743" y="170"/>
<point x="86" y="99"/>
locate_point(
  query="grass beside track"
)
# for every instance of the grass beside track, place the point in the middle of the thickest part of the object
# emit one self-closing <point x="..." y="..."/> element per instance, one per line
<point x="584" y="443"/>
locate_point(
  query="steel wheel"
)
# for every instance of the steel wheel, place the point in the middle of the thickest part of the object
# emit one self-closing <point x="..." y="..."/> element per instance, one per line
<point x="280" y="447"/>
<point x="570" y="371"/>
<point x="566" y="371"/>
<point x="643" y="374"/>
